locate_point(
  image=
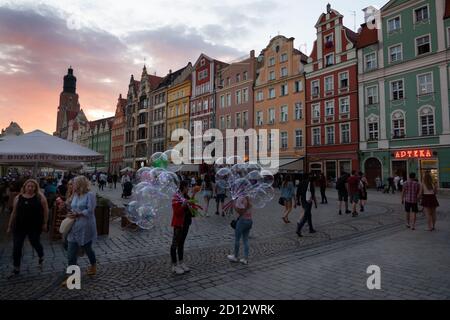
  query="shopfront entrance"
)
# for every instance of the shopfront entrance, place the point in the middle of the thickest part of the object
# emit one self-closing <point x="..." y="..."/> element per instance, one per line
<point x="373" y="169"/>
<point x="400" y="168"/>
<point x="431" y="166"/>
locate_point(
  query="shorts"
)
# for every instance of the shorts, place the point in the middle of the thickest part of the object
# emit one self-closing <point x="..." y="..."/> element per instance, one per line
<point x="342" y="196"/>
<point x="411" y="207"/>
<point x="220" y="198"/>
<point x="354" y="198"/>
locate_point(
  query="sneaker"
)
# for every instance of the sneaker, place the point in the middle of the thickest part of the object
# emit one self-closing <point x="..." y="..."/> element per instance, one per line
<point x="354" y="214"/>
<point x="184" y="267"/>
<point x="340" y="212"/>
<point x="92" y="270"/>
<point x="232" y="258"/>
<point x="312" y="231"/>
<point x="41" y="263"/>
<point x="244" y="261"/>
<point x="362" y="209"/>
<point x="177" y="269"/>
<point x="348" y="211"/>
<point x="217" y="213"/>
<point x="299" y="234"/>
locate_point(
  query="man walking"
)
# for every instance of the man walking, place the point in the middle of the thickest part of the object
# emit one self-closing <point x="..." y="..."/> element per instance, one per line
<point x="306" y="193"/>
<point x="342" y="192"/>
<point x="353" y="191"/>
<point x="115" y="178"/>
<point x="410" y="197"/>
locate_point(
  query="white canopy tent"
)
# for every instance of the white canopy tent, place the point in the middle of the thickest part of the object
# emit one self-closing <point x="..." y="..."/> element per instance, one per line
<point x="38" y="148"/>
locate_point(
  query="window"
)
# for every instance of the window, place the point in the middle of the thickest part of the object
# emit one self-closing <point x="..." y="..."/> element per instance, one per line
<point x="316" y="136"/>
<point x="397" y="92"/>
<point x="298" y="86"/>
<point x="271" y="93"/>
<point x="222" y="101"/>
<point x="238" y="97"/>
<point x="315" y="88"/>
<point x="271" y="61"/>
<point x="398" y="125"/>
<point x="426" y="115"/>
<point x="238" y="120"/>
<point x="344" y="105"/>
<point x="245" y="95"/>
<point x="284" y="72"/>
<point x="238" y="77"/>
<point x="271" y="116"/>
<point x="343" y="80"/>
<point x="329" y="137"/>
<point x="260" y="96"/>
<point x="372" y="95"/>
<point x="259" y="118"/>
<point x="329" y="41"/>
<point x="371" y="61"/>
<point x="271" y="142"/>
<point x="205" y="105"/>
<point x="329" y="60"/>
<point x="298" y="111"/>
<point x="396" y="53"/>
<point x="284" y="57"/>
<point x="394" y="24"/>
<point x="284" y="140"/>
<point x="229" y="99"/>
<point x="229" y="122"/>
<point x="329" y="84"/>
<point x="284" y="114"/>
<point x="245" y="119"/>
<point x="372" y="128"/>
<point x="421" y="14"/>
<point x="284" y="89"/>
<point x="272" y="75"/>
<point x="345" y="133"/>
<point x="298" y="138"/>
<point x="423" y="45"/>
<point x="329" y="108"/>
<point x="222" y="122"/>
<point x="316" y="111"/>
<point x="245" y="75"/>
<point x="425" y="83"/>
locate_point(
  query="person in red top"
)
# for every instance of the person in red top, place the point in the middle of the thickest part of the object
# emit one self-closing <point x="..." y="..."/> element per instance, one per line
<point x="353" y="191"/>
<point x="181" y="221"/>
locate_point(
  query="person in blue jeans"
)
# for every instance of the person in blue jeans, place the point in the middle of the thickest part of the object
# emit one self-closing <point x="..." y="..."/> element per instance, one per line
<point x="243" y="226"/>
<point x="84" y="230"/>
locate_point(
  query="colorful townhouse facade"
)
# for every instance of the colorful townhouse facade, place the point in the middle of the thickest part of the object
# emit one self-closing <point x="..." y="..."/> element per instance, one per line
<point x="404" y="91"/>
<point x="235" y="101"/>
<point x="118" y="136"/>
<point x="100" y="141"/>
<point x="178" y="102"/>
<point x="332" y="99"/>
<point x="279" y="98"/>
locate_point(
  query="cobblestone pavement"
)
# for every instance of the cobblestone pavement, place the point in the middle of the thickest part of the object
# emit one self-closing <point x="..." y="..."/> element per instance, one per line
<point x="328" y="265"/>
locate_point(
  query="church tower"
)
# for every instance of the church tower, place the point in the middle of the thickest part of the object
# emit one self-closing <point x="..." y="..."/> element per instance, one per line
<point x="68" y="104"/>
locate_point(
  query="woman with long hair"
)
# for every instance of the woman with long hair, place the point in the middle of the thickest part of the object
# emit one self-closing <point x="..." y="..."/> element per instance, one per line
<point x="427" y="193"/>
<point x="244" y="224"/>
<point x="28" y="219"/>
<point x="84" y="230"/>
<point x="287" y="194"/>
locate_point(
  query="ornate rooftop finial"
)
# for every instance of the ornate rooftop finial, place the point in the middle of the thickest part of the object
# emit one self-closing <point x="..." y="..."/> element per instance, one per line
<point x="328" y="8"/>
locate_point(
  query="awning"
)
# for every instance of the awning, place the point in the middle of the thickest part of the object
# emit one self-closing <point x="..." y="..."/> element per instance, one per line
<point x="190" y="168"/>
<point x="285" y="165"/>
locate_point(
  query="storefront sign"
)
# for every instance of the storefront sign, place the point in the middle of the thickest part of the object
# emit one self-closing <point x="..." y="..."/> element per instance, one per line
<point x="419" y="153"/>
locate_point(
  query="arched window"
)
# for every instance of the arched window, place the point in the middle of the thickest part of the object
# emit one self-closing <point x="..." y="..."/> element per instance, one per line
<point x="426" y="121"/>
<point x="372" y="127"/>
<point x="398" y="125"/>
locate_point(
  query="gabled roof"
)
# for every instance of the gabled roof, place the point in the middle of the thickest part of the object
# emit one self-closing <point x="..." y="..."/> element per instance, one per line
<point x="154" y="81"/>
<point x="313" y="54"/>
<point x="367" y="36"/>
<point x="333" y="13"/>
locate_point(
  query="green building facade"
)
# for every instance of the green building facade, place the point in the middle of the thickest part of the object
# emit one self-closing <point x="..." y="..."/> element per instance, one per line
<point x="100" y="141"/>
<point x="404" y="60"/>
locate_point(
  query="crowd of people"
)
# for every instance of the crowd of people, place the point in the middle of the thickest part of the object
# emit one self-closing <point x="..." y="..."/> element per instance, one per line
<point x="30" y="203"/>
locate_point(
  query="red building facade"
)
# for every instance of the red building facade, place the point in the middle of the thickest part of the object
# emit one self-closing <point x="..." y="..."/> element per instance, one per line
<point x="118" y="136"/>
<point x="332" y="99"/>
<point x="203" y="104"/>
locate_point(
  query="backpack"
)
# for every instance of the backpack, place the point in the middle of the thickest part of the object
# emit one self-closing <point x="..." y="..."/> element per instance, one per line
<point x="340" y="184"/>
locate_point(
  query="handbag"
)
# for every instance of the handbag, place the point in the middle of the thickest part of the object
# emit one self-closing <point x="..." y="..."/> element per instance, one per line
<point x="281" y="201"/>
<point x="234" y="223"/>
<point x="66" y="226"/>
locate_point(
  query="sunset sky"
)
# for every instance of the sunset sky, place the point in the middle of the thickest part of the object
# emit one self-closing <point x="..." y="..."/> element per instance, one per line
<point x="107" y="41"/>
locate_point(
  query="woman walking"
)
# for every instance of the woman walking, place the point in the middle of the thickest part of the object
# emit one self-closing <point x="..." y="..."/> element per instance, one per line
<point x="243" y="226"/>
<point x="28" y="219"/>
<point x="363" y="183"/>
<point x="428" y="191"/>
<point x="181" y="221"/>
<point x="207" y="192"/>
<point x="84" y="230"/>
<point x="323" y="188"/>
<point x="287" y="194"/>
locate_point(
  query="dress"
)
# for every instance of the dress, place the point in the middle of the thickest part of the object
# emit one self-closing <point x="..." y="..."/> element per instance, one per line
<point x="429" y="199"/>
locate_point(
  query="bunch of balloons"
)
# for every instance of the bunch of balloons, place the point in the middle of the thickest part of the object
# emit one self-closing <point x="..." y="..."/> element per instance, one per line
<point x="157" y="185"/>
<point x="244" y="180"/>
